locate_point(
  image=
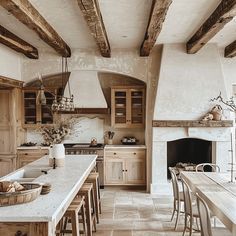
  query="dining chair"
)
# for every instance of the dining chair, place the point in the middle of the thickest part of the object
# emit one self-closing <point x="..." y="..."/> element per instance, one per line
<point x="178" y="196"/>
<point x="190" y="210"/>
<point x="205" y="222"/>
<point x="204" y="167"/>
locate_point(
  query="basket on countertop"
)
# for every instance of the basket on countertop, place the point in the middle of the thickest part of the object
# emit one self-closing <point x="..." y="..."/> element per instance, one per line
<point x="31" y="192"/>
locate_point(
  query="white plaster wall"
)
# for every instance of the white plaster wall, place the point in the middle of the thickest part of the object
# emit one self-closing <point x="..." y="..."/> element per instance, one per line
<point x="10" y="63"/>
<point x="122" y="61"/>
<point x="229" y="71"/>
<point x="187" y="82"/>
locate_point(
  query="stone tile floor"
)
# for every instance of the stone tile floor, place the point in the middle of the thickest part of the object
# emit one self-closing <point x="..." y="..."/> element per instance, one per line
<point x="133" y="212"/>
<point x="129" y="212"/>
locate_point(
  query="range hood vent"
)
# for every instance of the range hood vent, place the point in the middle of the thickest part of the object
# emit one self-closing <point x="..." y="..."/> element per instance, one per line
<point x="87" y="91"/>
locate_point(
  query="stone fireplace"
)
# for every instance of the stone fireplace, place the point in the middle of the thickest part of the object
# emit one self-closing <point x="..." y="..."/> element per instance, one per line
<point x="217" y="133"/>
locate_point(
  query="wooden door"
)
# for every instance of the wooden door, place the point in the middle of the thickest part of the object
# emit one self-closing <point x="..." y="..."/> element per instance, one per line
<point x="114" y="171"/>
<point x="135" y="171"/>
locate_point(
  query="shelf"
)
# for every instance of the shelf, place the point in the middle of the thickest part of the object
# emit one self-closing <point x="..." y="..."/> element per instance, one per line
<point x="192" y="123"/>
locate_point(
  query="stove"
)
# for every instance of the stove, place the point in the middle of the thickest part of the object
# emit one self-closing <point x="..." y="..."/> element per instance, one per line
<point x="88" y="149"/>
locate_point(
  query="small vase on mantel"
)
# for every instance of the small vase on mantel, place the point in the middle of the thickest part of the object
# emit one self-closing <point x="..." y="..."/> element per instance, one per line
<point x="58" y="152"/>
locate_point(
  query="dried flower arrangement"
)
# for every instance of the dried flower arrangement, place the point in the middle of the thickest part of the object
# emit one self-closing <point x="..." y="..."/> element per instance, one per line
<point x="55" y="134"/>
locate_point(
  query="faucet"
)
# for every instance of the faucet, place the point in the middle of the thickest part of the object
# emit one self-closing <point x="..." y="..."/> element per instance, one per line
<point x="54" y="163"/>
<point x="44" y="171"/>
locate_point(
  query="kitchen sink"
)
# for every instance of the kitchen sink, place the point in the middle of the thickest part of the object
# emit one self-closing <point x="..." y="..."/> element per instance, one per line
<point x="28" y="175"/>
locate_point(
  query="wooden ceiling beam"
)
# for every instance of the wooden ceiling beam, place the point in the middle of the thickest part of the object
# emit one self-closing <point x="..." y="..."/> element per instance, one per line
<point x="223" y="14"/>
<point x="24" y="11"/>
<point x="157" y="17"/>
<point x="230" y="50"/>
<point x="14" y="42"/>
<point x="92" y="15"/>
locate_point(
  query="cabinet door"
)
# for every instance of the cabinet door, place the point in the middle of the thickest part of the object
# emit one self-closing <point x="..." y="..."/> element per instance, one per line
<point x="137" y="107"/>
<point x="119" y="107"/>
<point x="135" y="171"/>
<point x="30" y="108"/>
<point x="7" y="165"/>
<point x="114" y="171"/>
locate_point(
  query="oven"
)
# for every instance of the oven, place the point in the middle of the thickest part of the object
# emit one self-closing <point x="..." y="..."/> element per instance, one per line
<point x="87" y="149"/>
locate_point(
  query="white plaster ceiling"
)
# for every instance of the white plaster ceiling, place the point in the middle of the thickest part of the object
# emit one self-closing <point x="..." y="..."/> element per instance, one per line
<point x="125" y="22"/>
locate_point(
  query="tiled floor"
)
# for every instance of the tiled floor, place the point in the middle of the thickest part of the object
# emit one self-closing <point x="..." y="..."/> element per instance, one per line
<point x="136" y="213"/>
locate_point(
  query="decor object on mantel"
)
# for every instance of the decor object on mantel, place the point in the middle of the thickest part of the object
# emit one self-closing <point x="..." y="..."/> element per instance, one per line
<point x="214" y="114"/>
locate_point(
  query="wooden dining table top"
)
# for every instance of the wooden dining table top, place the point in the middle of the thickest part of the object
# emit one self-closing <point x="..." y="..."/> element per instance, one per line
<point x="218" y="192"/>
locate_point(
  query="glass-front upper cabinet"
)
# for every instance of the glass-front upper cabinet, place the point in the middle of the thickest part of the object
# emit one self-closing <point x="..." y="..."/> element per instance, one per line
<point x="127" y="107"/>
<point x="35" y="113"/>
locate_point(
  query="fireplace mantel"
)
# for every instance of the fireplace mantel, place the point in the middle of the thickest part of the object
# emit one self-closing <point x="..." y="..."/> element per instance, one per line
<point x="192" y="123"/>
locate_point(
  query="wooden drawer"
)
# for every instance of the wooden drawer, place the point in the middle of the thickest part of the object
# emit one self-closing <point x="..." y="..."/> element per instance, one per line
<point x="125" y="153"/>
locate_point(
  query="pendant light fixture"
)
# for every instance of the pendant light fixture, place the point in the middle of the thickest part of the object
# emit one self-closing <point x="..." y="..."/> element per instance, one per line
<point x="41" y="98"/>
<point x="61" y="102"/>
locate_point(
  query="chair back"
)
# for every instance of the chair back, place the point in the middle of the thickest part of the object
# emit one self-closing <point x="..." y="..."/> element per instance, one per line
<point x="204" y="215"/>
<point x="187" y="198"/>
<point x="175" y="185"/>
<point x="205" y="167"/>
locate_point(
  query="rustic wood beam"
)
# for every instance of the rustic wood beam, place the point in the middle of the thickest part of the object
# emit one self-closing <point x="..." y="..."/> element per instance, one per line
<point x="92" y="15"/>
<point x="192" y="123"/>
<point x="230" y="50"/>
<point x="8" y="82"/>
<point x="14" y="42"/>
<point x="223" y="14"/>
<point x="157" y="17"/>
<point x="24" y="11"/>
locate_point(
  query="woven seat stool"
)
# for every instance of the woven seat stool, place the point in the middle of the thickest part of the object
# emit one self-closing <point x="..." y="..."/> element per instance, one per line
<point x="94" y="179"/>
<point x="90" y="210"/>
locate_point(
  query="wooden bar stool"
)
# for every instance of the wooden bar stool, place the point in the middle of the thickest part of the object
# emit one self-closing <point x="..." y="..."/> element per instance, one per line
<point x="94" y="179"/>
<point x="90" y="210"/>
<point x="76" y="207"/>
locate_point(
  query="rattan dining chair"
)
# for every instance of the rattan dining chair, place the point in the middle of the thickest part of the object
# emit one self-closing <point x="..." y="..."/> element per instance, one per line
<point x="204" y="167"/>
<point x="205" y="222"/>
<point x="190" y="210"/>
<point x="178" y="197"/>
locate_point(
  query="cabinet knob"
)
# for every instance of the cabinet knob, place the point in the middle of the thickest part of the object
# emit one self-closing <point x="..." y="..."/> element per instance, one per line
<point x="134" y="153"/>
<point x="123" y="170"/>
<point x="114" y="153"/>
<point x="26" y="154"/>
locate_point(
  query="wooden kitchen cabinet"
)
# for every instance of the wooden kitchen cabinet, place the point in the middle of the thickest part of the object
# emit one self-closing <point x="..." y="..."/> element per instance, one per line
<point x="36" y="114"/>
<point x="128" y="107"/>
<point x="125" y="167"/>
<point x="26" y="156"/>
<point x="7" y="164"/>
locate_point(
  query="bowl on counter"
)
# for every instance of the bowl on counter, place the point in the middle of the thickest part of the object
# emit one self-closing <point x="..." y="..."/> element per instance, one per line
<point x="129" y="141"/>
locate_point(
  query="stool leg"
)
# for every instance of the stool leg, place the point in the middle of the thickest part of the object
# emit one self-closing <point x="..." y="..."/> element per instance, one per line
<point x="88" y="213"/>
<point x="96" y="199"/>
<point x="94" y="210"/>
<point x="84" y="219"/>
<point x="75" y="223"/>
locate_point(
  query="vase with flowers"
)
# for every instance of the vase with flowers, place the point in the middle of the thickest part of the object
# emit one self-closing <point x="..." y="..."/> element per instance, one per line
<point x="53" y="136"/>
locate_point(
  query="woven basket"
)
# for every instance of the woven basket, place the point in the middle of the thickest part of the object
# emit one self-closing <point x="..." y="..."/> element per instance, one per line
<point x="31" y="192"/>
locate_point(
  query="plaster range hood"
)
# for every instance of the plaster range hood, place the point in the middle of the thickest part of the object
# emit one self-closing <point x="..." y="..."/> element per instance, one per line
<point x="87" y="91"/>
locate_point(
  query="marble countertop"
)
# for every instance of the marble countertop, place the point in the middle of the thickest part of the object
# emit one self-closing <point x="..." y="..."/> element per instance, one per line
<point x="65" y="181"/>
<point x="125" y="146"/>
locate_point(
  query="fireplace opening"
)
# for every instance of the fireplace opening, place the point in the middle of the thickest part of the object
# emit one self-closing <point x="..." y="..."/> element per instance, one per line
<point x="188" y="150"/>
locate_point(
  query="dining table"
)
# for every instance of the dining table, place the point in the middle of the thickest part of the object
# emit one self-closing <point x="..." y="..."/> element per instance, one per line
<point x="218" y="192"/>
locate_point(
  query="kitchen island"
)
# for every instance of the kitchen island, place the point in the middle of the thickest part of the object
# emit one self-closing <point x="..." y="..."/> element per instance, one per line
<point x="40" y="217"/>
